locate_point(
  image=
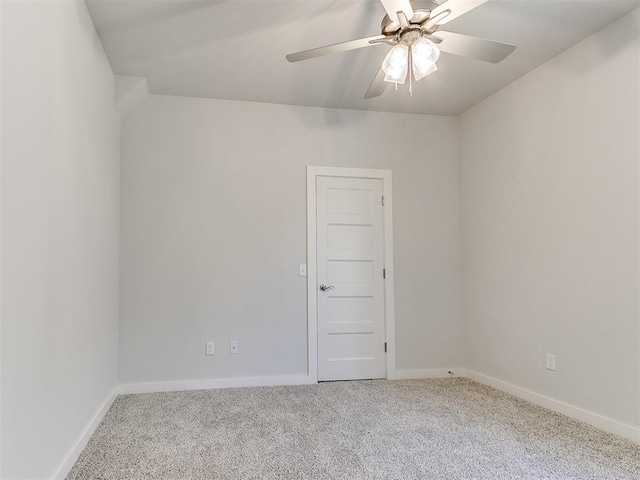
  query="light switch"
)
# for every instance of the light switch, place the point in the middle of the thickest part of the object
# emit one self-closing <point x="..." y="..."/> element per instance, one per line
<point x="303" y="270"/>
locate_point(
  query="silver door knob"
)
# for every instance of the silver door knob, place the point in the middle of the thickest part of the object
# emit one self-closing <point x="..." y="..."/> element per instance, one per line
<point x="324" y="287"/>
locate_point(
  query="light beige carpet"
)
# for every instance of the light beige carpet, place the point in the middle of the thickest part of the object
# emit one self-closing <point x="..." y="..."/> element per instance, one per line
<point x="415" y="429"/>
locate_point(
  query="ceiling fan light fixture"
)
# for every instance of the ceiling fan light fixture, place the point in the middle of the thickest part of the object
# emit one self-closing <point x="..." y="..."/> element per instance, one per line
<point x="396" y="64"/>
<point x="409" y="26"/>
<point x="420" y="74"/>
<point x="424" y="55"/>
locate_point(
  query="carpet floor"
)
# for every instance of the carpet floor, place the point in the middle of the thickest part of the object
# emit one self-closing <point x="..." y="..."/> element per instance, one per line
<point x="412" y="429"/>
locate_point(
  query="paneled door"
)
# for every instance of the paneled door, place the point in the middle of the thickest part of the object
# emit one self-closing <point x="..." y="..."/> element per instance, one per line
<point x="350" y="283"/>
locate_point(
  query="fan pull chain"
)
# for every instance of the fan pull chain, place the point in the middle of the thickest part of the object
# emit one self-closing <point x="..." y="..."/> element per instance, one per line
<point x="410" y="73"/>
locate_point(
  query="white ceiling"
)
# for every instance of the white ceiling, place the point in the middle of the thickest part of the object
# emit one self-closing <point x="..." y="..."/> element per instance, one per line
<point x="235" y="49"/>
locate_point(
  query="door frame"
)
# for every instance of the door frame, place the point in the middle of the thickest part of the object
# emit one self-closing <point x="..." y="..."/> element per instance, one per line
<point x="312" y="288"/>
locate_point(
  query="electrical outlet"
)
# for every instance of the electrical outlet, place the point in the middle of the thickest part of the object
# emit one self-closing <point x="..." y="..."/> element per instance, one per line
<point x="210" y="348"/>
<point x="233" y="347"/>
<point x="551" y="362"/>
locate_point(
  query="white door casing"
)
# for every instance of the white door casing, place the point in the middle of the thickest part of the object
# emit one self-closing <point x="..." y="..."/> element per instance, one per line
<point x="349" y="244"/>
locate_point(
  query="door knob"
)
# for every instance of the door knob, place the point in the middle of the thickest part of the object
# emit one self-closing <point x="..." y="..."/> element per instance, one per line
<point x="324" y="287"/>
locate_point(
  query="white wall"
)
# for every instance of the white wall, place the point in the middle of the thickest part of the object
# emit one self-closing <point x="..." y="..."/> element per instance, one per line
<point x="550" y="238"/>
<point x="214" y="227"/>
<point x="1" y="3"/>
<point x="60" y="187"/>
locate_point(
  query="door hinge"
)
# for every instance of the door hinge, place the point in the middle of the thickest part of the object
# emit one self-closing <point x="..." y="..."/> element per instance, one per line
<point x="384" y="273"/>
<point x="383" y="200"/>
<point x="385" y="347"/>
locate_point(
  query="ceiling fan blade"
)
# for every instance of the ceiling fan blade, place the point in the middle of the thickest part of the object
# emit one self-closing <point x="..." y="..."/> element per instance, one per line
<point x="377" y="86"/>
<point x="457" y="7"/>
<point x="336" y="48"/>
<point x="474" y="47"/>
<point x="392" y="8"/>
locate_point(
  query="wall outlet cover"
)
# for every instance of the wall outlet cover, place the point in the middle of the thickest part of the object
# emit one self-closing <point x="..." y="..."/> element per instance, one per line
<point x="210" y="348"/>
<point x="551" y="362"/>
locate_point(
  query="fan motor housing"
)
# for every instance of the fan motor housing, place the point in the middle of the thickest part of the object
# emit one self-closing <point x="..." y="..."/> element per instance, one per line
<point x="421" y="13"/>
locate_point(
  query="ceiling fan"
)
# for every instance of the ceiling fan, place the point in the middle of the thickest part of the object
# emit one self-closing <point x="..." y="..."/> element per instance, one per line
<point x="413" y="29"/>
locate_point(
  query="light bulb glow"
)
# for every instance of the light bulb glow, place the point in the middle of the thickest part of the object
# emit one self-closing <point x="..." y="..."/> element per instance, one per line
<point x="424" y="55"/>
<point x="396" y="64"/>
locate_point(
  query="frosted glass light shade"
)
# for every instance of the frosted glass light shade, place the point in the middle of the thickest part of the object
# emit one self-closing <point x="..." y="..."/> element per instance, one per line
<point x="396" y="64"/>
<point x="424" y="55"/>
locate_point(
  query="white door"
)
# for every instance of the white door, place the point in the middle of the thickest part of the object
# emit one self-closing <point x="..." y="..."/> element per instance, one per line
<point x="350" y="284"/>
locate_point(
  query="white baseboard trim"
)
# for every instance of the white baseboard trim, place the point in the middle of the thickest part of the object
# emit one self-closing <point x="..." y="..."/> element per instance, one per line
<point x="603" y="423"/>
<point x="427" y="373"/>
<point x="209" y="384"/>
<point x="76" y="450"/>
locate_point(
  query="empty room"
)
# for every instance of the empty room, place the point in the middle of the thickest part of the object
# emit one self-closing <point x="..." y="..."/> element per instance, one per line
<point x="320" y="239"/>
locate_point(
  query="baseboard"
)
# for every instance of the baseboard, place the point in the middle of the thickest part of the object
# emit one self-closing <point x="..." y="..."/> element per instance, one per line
<point x="76" y="450"/>
<point x="209" y="384"/>
<point x="427" y="373"/>
<point x="603" y="423"/>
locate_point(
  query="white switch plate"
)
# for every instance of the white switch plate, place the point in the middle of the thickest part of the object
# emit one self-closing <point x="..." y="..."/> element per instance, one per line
<point x="551" y="362"/>
<point x="233" y="346"/>
<point x="210" y="348"/>
<point x="303" y="270"/>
